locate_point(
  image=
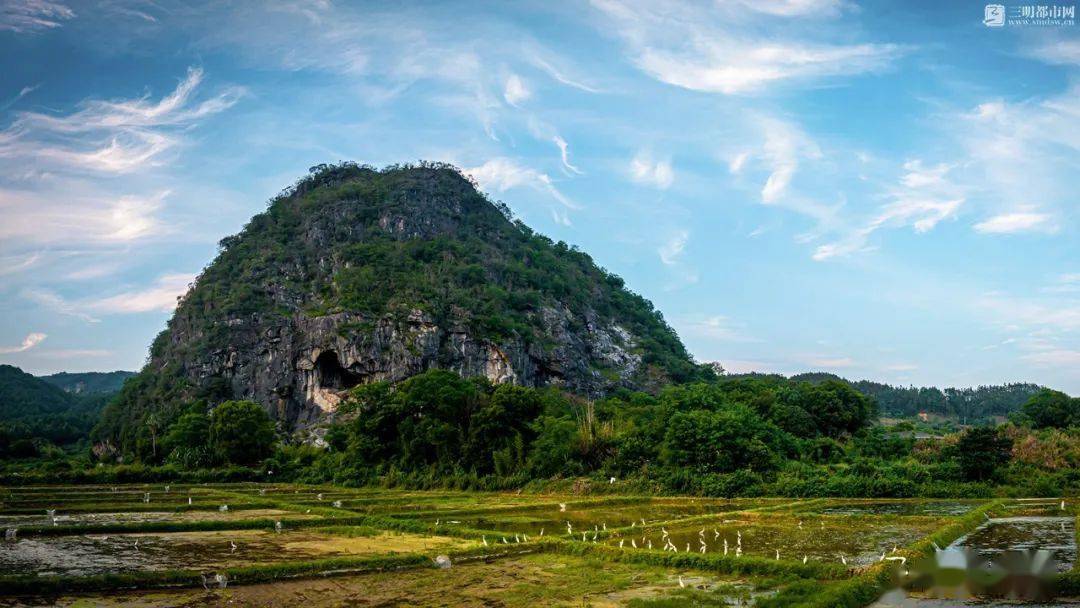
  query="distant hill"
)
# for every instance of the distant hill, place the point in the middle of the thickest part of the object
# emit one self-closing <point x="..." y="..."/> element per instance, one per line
<point x="34" y="410"/>
<point x="88" y="383"/>
<point x="357" y="275"/>
<point x="968" y="405"/>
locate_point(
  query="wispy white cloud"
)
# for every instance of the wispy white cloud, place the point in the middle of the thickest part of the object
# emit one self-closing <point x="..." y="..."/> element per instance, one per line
<point x="564" y="153"/>
<point x="54" y="302"/>
<point x="703" y="48"/>
<point x="784" y="146"/>
<point x="1024" y="219"/>
<point x="502" y="174"/>
<point x="112" y="137"/>
<point x="30" y="341"/>
<point x="923" y="198"/>
<point x="47" y="217"/>
<point x="516" y="91"/>
<point x="673" y="248"/>
<point x="718" y="328"/>
<point x="31" y="16"/>
<point x="657" y="173"/>
<point x="161" y="296"/>
<point x="829" y="362"/>
<point x="1062" y="51"/>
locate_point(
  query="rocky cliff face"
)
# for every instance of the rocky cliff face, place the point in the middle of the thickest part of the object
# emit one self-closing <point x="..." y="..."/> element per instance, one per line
<point x="357" y="275"/>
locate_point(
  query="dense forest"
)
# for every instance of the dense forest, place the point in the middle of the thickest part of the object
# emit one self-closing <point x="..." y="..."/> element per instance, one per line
<point x="38" y="416"/>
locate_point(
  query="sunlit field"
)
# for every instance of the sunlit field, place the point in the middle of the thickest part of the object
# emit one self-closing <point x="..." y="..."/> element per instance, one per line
<point x="255" y="544"/>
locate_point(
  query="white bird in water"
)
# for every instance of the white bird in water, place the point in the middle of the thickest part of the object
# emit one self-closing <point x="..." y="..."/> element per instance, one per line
<point x="681" y="583"/>
<point x="633" y="543"/>
<point x="777" y="554"/>
<point x="621" y="541"/>
<point x="541" y="531"/>
<point x="504" y="541"/>
<point x="189" y="500"/>
<point x="136" y="544"/>
<point x="562" y="507"/>
<point x="843" y="560"/>
<point x="725" y="546"/>
<point x="232" y="546"/>
<point x="650" y="544"/>
<point x="687" y="547"/>
<point x="716" y="534"/>
<point x="485" y="540"/>
<point x="1063" y="505"/>
<point x="804" y="558"/>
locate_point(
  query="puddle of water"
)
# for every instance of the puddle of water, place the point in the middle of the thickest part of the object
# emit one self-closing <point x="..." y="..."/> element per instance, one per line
<point x="96" y="554"/>
<point x="897" y="507"/>
<point x="1054" y="534"/>
<point x="99" y="519"/>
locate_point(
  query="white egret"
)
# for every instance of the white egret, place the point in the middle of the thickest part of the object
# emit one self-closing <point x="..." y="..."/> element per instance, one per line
<point x="633" y="543"/>
<point x="738" y="551"/>
<point x="650" y="543"/>
<point x="485" y="540"/>
<point x="725" y="546"/>
<point x="277" y="527"/>
<point x="777" y="554"/>
<point x="611" y="481"/>
<point x="843" y="560"/>
<point x="541" y="531"/>
<point x="562" y="507"/>
<point x="703" y="547"/>
<point x="504" y="541"/>
<point x="804" y="558"/>
<point x="715" y="534"/>
<point x="621" y="541"/>
<point x="687" y="547"/>
<point x="681" y="583"/>
<point x="222" y="580"/>
<point x="232" y="546"/>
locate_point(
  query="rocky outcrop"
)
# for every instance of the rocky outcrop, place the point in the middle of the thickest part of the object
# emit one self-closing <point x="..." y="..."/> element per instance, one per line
<point x="299" y="367"/>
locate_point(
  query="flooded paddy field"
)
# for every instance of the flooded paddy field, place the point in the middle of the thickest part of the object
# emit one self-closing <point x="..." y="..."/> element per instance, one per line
<point x="854" y="541"/>
<point x="121" y="517"/>
<point x="1054" y="534"/>
<point x="523" y="581"/>
<point x="101" y="554"/>
<point x="892" y="507"/>
<point x="554" y="518"/>
<point x="390" y="559"/>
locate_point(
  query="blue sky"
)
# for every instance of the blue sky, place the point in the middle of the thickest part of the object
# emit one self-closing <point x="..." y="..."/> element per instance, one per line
<point x="884" y="191"/>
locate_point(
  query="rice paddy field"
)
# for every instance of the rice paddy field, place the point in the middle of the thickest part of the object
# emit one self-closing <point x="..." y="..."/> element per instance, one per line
<point x="286" y="545"/>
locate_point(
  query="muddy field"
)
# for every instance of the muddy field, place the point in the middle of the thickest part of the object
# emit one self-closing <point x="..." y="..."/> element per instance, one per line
<point x="284" y="545"/>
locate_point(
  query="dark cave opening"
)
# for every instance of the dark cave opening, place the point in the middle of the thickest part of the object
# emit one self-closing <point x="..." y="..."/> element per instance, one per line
<point x="332" y="375"/>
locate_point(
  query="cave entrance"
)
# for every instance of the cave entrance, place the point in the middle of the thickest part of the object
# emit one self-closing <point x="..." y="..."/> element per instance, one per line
<point x="332" y="375"/>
